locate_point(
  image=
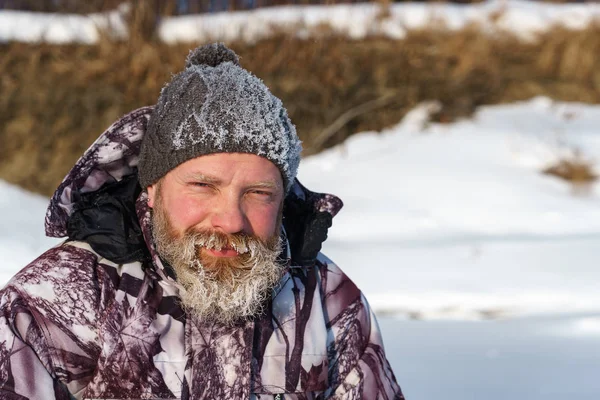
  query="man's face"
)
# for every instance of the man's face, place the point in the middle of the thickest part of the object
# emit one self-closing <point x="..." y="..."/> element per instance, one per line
<point x="216" y="220"/>
<point x="227" y="192"/>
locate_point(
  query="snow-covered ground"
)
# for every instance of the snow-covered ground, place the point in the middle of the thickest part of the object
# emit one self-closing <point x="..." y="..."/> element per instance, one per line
<point x="454" y="224"/>
<point x="534" y="358"/>
<point x="22" y="229"/>
<point x="524" y="18"/>
<point x="457" y="221"/>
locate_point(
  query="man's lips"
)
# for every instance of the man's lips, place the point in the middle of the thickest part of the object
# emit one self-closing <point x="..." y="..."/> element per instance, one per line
<point x="226" y="252"/>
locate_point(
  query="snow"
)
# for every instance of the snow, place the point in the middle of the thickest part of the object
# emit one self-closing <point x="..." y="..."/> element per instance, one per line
<point x="532" y="358"/>
<point x="460" y="217"/>
<point x="481" y="268"/>
<point x="22" y="26"/>
<point x="523" y="18"/>
<point x="22" y="236"/>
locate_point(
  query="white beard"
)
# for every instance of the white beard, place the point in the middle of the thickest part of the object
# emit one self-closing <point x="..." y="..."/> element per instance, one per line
<point x="223" y="291"/>
<point x="242" y="295"/>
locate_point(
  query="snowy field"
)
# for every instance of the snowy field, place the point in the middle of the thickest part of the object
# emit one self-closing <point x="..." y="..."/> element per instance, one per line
<point x="459" y="218"/>
<point x="455" y="224"/>
<point x="482" y="269"/>
<point x="537" y="358"/>
<point x="524" y="18"/>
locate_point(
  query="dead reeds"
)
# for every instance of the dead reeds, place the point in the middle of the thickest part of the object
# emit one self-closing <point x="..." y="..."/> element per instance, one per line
<point x="56" y="99"/>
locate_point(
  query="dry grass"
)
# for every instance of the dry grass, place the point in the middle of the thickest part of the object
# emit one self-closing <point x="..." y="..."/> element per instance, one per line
<point x="576" y="171"/>
<point x="55" y="100"/>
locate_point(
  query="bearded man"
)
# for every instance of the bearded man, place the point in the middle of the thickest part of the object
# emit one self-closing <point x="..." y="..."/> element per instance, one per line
<point x="191" y="267"/>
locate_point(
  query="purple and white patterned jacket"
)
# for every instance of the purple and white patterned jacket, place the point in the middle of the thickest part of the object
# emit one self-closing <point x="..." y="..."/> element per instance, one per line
<point x="86" y="321"/>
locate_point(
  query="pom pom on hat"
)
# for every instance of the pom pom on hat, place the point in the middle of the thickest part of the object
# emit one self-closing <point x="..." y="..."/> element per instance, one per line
<point x="211" y="55"/>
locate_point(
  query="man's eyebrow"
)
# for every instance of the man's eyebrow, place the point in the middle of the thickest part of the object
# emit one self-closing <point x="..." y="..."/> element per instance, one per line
<point x="198" y="177"/>
<point x="266" y="185"/>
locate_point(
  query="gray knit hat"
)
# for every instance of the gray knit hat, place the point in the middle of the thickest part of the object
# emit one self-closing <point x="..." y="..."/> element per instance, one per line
<point x="216" y="106"/>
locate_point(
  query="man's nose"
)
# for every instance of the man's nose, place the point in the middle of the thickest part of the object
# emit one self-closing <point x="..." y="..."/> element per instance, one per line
<point x="229" y="216"/>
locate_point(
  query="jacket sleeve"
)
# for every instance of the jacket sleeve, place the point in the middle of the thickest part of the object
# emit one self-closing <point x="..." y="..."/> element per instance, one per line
<point x="24" y="355"/>
<point x="358" y="367"/>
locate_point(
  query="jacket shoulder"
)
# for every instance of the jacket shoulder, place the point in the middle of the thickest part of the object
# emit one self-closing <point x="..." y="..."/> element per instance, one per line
<point x="68" y="263"/>
<point x="335" y="284"/>
<point x="61" y="286"/>
<point x="343" y="302"/>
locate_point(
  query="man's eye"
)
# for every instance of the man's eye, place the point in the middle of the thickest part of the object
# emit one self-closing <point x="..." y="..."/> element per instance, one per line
<point x="261" y="193"/>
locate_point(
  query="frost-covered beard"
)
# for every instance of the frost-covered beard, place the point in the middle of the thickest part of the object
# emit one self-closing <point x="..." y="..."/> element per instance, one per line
<point x="219" y="289"/>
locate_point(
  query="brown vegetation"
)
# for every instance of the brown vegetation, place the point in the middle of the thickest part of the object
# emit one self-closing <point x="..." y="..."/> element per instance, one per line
<point x="55" y="100"/>
<point x="577" y="170"/>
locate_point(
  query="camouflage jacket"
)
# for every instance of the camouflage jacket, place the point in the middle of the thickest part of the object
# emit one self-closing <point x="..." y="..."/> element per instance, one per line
<point x="97" y="317"/>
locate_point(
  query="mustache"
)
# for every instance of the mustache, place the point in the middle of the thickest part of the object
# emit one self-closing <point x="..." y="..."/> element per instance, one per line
<point x="248" y="247"/>
<point x="216" y="240"/>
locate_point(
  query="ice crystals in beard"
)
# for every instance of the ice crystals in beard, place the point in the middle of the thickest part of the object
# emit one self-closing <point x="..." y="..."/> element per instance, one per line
<point x="215" y="242"/>
<point x="240" y="248"/>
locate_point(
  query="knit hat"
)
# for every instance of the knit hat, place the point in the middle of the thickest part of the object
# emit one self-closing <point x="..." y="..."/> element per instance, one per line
<point x="216" y="106"/>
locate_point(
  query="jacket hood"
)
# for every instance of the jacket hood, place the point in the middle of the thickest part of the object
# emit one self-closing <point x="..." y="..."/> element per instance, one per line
<point x="96" y="201"/>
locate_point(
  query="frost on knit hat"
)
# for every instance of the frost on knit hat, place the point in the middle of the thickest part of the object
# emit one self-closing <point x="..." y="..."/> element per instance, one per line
<point x="216" y="106"/>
